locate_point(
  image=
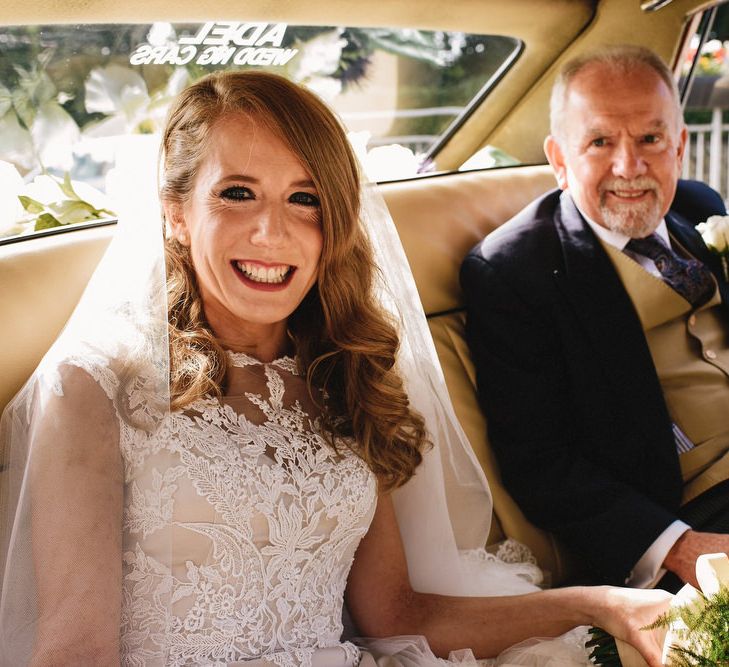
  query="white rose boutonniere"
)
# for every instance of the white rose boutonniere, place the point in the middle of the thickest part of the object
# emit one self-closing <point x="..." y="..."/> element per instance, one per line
<point x="715" y="233"/>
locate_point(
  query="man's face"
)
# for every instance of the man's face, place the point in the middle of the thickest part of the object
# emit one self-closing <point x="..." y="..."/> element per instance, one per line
<point x="620" y="149"/>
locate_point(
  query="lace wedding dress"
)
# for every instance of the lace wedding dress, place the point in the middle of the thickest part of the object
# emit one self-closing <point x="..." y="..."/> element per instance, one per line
<point x="240" y="526"/>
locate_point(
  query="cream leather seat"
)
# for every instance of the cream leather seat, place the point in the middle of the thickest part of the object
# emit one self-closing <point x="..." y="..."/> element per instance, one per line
<point x="439" y="220"/>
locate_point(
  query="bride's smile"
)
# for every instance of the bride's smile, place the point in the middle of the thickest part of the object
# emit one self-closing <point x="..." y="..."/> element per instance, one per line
<point x="259" y="275"/>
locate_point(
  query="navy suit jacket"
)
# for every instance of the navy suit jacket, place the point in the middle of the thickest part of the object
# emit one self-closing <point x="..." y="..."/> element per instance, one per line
<point x="575" y="411"/>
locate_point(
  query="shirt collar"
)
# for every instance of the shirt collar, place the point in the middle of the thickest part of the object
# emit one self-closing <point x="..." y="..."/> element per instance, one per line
<point x="618" y="239"/>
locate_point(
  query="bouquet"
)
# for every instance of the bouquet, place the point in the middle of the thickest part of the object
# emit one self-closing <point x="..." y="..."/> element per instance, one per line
<point x="697" y="624"/>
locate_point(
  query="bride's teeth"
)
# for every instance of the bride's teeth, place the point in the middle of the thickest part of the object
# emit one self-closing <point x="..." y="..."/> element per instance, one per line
<point x="261" y="274"/>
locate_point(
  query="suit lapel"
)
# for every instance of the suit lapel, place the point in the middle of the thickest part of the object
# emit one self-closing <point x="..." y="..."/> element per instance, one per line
<point x="606" y="313"/>
<point x="690" y="239"/>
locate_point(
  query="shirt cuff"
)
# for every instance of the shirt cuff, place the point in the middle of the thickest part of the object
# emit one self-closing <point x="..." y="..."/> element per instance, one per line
<point x="648" y="570"/>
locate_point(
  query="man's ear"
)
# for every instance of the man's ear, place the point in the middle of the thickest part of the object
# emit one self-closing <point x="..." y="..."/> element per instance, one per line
<point x="175" y="218"/>
<point x="682" y="139"/>
<point x="554" y="154"/>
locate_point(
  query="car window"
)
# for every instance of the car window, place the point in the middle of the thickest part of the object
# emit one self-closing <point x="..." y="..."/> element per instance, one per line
<point x="81" y="104"/>
<point x="704" y="81"/>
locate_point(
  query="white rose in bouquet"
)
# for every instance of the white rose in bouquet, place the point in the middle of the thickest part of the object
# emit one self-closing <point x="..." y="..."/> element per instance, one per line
<point x="715" y="233"/>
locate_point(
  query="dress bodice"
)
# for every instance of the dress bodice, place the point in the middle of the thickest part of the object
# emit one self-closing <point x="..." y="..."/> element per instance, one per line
<point x="240" y="526"/>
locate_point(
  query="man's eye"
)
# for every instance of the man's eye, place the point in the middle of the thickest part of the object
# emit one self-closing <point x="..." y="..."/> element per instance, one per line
<point x="236" y="193"/>
<point x="304" y="199"/>
<point x="599" y="142"/>
<point x="650" y="138"/>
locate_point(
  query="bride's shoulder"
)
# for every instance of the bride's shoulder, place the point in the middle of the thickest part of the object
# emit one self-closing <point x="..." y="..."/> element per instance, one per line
<point x="65" y="410"/>
<point x="82" y="375"/>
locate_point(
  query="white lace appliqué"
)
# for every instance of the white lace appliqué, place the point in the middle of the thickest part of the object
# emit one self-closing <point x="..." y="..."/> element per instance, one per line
<point x="240" y="526"/>
<point x="516" y="556"/>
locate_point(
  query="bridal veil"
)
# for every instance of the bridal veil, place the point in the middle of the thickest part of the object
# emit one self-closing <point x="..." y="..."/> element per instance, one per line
<point x="61" y="444"/>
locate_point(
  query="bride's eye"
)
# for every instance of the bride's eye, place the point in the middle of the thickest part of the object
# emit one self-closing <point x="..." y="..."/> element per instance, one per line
<point x="237" y="193"/>
<point x="304" y="199"/>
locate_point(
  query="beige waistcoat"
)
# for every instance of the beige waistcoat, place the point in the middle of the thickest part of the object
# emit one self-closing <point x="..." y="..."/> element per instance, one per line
<point x="690" y="351"/>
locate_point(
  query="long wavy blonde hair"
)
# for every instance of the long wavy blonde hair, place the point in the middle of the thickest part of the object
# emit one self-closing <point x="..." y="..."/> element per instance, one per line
<point x="345" y="344"/>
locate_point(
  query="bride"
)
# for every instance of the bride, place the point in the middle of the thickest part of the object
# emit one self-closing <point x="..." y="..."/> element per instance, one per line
<point x="243" y="425"/>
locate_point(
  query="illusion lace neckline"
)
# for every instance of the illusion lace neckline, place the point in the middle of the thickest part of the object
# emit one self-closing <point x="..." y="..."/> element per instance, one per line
<point x="241" y="360"/>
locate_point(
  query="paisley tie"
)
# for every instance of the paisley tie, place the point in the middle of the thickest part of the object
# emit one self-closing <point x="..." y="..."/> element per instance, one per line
<point x="689" y="277"/>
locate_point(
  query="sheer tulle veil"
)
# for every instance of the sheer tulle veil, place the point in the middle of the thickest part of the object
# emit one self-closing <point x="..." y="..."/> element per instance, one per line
<point x="53" y="445"/>
<point x="56" y="438"/>
<point x="444" y="512"/>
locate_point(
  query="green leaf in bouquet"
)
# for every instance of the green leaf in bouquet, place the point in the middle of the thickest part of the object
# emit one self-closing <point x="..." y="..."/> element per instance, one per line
<point x="46" y="221"/>
<point x="24" y="107"/>
<point x="603" y="649"/>
<point x="34" y="89"/>
<point x="705" y="635"/>
<point x="67" y="188"/>
<point x="44" y="90"/>
<point x="31" y="205"/>
<point x="68" y="212"/>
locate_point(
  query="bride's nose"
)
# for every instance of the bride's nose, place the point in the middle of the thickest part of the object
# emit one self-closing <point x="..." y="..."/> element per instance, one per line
<point x="270" y="228"/>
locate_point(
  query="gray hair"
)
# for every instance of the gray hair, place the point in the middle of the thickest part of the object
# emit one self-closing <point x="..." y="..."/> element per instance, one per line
<point x="621" y="58"/>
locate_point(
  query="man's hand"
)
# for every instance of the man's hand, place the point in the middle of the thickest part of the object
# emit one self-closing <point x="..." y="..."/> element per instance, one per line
<point x="681" y="559"/>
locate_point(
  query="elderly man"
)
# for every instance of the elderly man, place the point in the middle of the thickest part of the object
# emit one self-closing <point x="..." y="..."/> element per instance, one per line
<point x="599" y="327"/>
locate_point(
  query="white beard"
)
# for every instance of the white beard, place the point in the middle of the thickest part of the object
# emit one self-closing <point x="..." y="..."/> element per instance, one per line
<point x="636" y="220"/>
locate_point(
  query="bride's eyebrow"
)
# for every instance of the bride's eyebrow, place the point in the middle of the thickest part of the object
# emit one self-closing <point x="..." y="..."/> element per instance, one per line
<point x="244" y="178"/>
<point x="238" y="178"/>
<point x="306" y="183"/>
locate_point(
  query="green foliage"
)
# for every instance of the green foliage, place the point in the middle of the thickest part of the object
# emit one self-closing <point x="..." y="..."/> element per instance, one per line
<point x="70" y="210"/>
<point x="604" y="649"/>
<point x="33" y="90"/>
<point x="705" y="637"/>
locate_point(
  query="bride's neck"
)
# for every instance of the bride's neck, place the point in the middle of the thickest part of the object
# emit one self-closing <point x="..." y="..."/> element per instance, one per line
<point x="270" y="343"/>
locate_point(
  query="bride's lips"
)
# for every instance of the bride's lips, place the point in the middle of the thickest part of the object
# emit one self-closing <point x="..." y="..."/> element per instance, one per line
<point x="263" y="276"/>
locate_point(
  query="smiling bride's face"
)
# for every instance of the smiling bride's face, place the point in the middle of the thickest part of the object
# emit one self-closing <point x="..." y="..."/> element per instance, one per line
<point x="253" y="226"/>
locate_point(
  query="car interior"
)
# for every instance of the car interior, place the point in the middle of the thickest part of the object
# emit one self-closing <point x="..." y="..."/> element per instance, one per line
<point x="440" y="213"/>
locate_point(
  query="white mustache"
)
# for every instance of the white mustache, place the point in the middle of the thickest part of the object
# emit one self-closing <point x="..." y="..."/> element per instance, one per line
<point x="640" y="183"/>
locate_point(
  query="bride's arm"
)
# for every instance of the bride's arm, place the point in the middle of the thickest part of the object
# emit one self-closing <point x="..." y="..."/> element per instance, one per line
<point x="383" y="603"/>
<point x="76" y="491"/>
